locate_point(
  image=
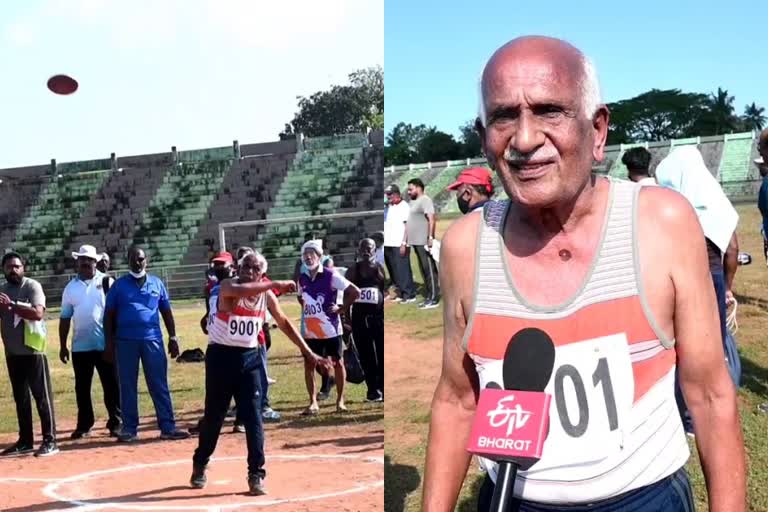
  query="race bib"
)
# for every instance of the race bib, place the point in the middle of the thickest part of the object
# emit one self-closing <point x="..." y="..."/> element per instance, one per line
<point x="369" y="296"/>
<point x="244" y="328"/>
<point x="592" y="388"/>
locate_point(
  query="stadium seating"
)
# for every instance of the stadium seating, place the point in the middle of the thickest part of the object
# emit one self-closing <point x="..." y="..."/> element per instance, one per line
<point x="729" y="157"/>
<point x="46" y="227"/>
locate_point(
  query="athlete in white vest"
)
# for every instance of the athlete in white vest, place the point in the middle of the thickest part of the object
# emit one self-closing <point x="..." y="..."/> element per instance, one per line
<point x="626" y="303"/>
<point x="233" y="363"/>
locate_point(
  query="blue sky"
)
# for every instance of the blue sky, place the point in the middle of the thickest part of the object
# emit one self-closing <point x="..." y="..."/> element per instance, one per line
<point x="435" y="50"/>
<point x="153" y="74"/>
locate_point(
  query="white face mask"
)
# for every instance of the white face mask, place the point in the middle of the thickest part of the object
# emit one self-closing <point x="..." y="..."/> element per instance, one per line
<point x="138" y="275"/>
<point x="313" y="267"/>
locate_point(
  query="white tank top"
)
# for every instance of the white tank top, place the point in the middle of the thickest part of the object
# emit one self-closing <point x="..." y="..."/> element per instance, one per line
<point x="239" y="328"/>
<point x="614" y="423"/>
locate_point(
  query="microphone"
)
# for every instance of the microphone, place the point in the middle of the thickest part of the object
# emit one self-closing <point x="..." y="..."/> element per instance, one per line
<point x="511" y="424"/>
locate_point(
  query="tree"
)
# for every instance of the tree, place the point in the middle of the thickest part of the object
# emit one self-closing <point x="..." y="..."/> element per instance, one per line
<point x="436" y="146"/>
<point x="344" y="108"/>
<point x="655" y="115"/>
<point x="470" y="140"/>
<point x="720" y="116"/>
<point x="402" y="144"/>
<point x="753" y="117"/>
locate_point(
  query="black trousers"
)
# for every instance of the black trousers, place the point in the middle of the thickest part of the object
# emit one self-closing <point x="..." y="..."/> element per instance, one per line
<point x="368" y="331"/>
<point x="399" y="268"/>
<point x="233" y="371"/>
<point x="84" y="363"/>
<point x="31" y="374"/>
<point x="428" y="269"/>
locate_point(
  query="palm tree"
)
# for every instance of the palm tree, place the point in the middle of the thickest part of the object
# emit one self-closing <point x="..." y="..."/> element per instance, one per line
<point x="722" y="111"/>
<point x="753" y="117"/>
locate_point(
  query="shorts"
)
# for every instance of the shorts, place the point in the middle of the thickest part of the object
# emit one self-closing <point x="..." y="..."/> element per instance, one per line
<point x="330" y="347"/>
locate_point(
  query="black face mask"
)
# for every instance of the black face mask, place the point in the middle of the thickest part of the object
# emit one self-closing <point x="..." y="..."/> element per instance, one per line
<point x="463" y="204"/>
<point x="222" y="273"/>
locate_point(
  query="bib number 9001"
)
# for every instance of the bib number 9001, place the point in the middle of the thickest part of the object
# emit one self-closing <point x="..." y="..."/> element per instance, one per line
<point x="241" y="327"/>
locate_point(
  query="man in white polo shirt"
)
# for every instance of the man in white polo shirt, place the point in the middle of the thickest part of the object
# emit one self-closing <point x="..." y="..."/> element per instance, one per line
<point x="398" y="264"/>
<point x="83" y="299"/>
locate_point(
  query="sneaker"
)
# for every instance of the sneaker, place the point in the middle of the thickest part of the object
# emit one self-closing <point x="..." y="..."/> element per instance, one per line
<point x="17" y="450"/>
<point x="397" y="299"/>
<point x="429" y="305"/>
<point x="46" y="449"/>
<point x="174" y="435"/>
<point x="79" y="434"/>
<point x="374" y="397"/>
<point x="323" y="395"/>
<point x="238" y="428"/>
<point x="198" y="478"/>
<point x="409" y="301"/>
<point x="269" y="414"/>
<point x="127" y="437"/>
<point x="114" y="431"/>
<point x="256" y="485"/>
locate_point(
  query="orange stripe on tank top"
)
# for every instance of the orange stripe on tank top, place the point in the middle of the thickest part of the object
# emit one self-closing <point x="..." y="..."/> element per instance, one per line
<point x="491" y="334"/>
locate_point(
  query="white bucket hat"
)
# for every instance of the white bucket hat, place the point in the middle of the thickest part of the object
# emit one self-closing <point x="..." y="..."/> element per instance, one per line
<point x="315" y="245"/>
<point x="87" y="251"/>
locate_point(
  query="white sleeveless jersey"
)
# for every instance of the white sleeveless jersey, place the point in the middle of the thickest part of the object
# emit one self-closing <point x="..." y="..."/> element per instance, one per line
<point x="240" y="327"/>
<point x="614" y="423"/>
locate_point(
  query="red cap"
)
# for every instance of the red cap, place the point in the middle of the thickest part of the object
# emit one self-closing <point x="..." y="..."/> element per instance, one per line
<point x="473" y="176"/>
<point x="224" y="257"/>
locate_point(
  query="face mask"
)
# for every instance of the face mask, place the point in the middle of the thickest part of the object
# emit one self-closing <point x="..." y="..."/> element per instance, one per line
<point x="138" y="275"/>
<point x="463" y="204"/>
<point x="222" y="273"/>
<point x="313" y="267"/>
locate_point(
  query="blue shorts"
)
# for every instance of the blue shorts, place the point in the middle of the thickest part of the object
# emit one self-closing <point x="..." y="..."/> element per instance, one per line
<point x="670" y="494"/>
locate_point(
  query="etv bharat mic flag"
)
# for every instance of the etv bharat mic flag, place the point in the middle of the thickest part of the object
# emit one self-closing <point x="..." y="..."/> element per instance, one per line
<point x="510" y="425"/>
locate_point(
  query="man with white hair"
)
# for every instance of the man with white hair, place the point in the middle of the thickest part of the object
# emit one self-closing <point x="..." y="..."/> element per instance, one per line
<point x="83" y="301"/>
<point x="320" y="319"/>
<point x="233" y="364"/>
<point x="581" y="258"/>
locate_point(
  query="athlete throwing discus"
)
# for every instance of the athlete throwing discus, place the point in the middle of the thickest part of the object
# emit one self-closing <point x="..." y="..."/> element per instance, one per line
<point x="233" y="364"/>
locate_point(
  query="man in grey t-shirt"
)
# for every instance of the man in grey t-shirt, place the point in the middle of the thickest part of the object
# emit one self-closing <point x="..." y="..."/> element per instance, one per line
<point x="419" y="234"/>
<point x="22" y="299"/>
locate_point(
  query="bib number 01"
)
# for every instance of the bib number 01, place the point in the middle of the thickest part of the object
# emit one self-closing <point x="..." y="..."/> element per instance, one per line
<point x="601" y="377"/>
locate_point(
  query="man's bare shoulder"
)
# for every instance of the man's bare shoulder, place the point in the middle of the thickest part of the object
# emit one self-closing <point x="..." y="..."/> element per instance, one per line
<point x="669" y="212"/>
<point x="461" y="234"/>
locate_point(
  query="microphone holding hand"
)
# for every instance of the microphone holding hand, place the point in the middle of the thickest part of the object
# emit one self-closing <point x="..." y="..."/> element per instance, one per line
<point x="511" y="424"/>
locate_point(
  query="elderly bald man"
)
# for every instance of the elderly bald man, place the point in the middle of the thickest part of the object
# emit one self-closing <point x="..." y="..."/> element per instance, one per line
<point x="581" y="258"/>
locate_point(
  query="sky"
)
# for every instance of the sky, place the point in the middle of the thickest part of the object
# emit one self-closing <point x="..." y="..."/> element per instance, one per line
<point x="436" y="50"/>
<point x="155" y="74"/>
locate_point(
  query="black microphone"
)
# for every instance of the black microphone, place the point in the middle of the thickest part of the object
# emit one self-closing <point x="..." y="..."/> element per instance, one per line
<point x="528" y="363"/>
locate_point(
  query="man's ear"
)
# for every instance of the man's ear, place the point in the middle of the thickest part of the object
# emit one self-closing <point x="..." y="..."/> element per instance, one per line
<point x="600" y="127"/>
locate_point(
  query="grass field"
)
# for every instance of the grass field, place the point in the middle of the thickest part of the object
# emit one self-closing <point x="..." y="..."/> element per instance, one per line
<point x="187" y="381"/>
<point x="407" y="413"/>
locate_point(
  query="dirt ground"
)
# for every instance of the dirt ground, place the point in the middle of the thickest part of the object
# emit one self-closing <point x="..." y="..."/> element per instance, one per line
<point x="318" y="468"/>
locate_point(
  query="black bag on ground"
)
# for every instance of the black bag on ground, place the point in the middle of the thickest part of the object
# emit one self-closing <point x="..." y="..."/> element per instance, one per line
<point x="352" y="364"/>
<point x="191" y="356"/>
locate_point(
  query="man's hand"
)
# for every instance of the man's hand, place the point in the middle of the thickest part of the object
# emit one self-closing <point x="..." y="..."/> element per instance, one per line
<point x="64" y="355"/>
<point x="173" y="347"/>
<point x="429" y="242"/>
<point x="333" y="309"/>
<point x="321" y="362"/>
<point x="5" y="300"/>
<point x="284" y="286"/>
<point x="729" y="298"/>
<point x="402" y="249"/>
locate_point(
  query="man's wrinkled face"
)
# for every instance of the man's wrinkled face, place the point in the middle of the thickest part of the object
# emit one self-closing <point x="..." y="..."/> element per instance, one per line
<point x="137" y="261"/>
<point x="367" y="249"/>
<point x="103" y="264"/>
<point x="537" y="136"/>
<point x="13" y="270"/>
<point x="251" y="268"/>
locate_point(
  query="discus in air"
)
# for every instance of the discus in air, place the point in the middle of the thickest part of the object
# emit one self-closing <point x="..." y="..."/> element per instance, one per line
<point x="62" y="84"/>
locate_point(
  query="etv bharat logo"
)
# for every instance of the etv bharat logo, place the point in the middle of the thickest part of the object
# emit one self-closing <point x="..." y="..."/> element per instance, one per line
<point x="512" y="417"/>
